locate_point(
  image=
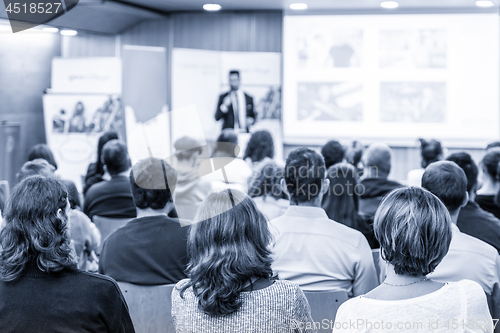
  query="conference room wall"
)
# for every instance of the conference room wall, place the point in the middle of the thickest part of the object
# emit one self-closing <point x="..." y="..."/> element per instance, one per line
<point x="25" y="66"/>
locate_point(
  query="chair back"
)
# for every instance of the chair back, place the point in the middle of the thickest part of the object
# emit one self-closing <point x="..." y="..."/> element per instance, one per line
<point x="107" y="226"/>
<point x="150" y="307"/>
<point x="324" y="305"/>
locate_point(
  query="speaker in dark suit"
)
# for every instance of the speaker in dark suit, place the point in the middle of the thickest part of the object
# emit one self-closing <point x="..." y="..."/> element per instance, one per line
<point x="235" y="108"/>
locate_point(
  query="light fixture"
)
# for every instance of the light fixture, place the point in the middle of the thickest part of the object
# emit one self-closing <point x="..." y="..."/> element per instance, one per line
<point x="484" y="3"/>
<point x="68" y="32"/>
<point x="53" y="30"/>
<point x="389" y="4"/>
<point x="212" y="7"/>
<point x="298" y="6"/>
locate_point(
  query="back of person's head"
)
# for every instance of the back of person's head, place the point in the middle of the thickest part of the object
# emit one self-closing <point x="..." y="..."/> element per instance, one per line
<point x="333" y="153"/>
<point x="36" y="228"/>
<point x="73" y="195"/>
<point x="414" y="230"/>
<point x="467" y="164"/>
<point x="448" y="182"/>
<point x="341" y="202"/>
<point x="226" y="144"/>
<point x="430" y="151"/>
<point x="226" y="248"/>
<point x="115" y="157"/>
<point x="103" y="139"/>
<point x="152" y="183"/>
<point x="186" y="147"/>
<point x="493" y="145"/>
<point x="354" y="152"/>
<point x="267" y="182"/>
<point x="38" y="166"/>
<point x="377" y="160"/>
<point x="42" y="151"/>
<point x="259" y="146"/>
<point x="304" y="174"/>
<point x="489" y="164"/>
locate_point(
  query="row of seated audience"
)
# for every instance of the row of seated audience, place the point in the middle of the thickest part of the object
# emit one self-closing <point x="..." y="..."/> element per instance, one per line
<point x="245" y="260"/>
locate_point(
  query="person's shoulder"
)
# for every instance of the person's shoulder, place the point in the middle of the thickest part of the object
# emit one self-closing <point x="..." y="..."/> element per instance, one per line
<point x="181" y="284"/>
<point x="475" y="245"/>
<point x="99" y="282"/>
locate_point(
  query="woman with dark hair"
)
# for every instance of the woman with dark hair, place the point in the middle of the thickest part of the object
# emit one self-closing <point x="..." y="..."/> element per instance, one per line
<point x="231" y="286"/>
<point x="260" y="149"/>
<point x="266" y="192"/>
<point x="95" y="171"/>
<point x="489" y="182"/>
<point x="430" y="151"/>
<point x="414" y="229"/>
<point x="42" y="289"/>
<point x="42" y="151"/>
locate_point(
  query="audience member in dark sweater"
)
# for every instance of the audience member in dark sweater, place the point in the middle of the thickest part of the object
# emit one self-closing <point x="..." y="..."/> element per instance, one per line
<point x="95" y="171"/>
<point x="375" y="185"/>
<point x="112" y="198"/>
<point x="473" y="220"/>
<point x="333" y="153"/>
<point x="489" y="181"/>
<point x="151" y="249"/>
<point x="42" y="290"/>
<point x="341" y="201"/>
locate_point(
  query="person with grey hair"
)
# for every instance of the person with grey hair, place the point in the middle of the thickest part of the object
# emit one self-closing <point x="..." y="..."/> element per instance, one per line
<point x="151" y="249"/>
<point x="414" y="229"/>
<point x="192" y="188"/>
<point x="375" y="184"/>
<point x="468" y="257"/>
<point x="112" y="198"/>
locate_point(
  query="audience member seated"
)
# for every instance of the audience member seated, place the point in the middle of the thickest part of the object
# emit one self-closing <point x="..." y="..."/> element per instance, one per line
<point x="231" y="286"/>
<point x="42" y="151"/>
<point x="42" y="289"/>
<point x="430" y="152"/>
<point x="468" y="257"/>
<point x="95" y="171"/>
<point x="489" y="182"/>
<point x="310" y="249"/>
<point x="341" y="201"/>
<point x="235" y="173"/>
<point x="375" y="185"/>
<point x="353" y="154"/>
<point x="112" y="198"/>
<point x="493" y="145"/>
<point x="333" y="153"/>
<point x="84" y="234"/>
<point x="36" y="167"/>
<point x="192" y="188"/>
<point x="472" y="220"/>
<point x="266" y="191"/>
<point x="151" y="249"/>
<point x="259" y="150"/>
<point x="414" y="231"/>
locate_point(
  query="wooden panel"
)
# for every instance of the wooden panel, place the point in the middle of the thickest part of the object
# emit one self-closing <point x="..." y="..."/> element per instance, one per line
<point x="90" y="45"/>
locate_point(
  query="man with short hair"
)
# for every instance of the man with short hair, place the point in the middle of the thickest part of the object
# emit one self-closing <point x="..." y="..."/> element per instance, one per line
<point x="310" y="249"/>
<point x="333" y="153"/>
<point x="375" y="184"/>
<point x="112" y="198"/>
<point x="473" y="220"/>
<point x="235" y="107"/>
<point x="468" y="257"/>
<point x="150" y="249"/>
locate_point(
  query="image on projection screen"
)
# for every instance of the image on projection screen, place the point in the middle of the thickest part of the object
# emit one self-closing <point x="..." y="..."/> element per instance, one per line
<point x="419" y="102"/>
<point x="335" y="48"/>
<point x="334" y="101"/>
<point x="416" y="48"/>
<point x="391" y="78"/>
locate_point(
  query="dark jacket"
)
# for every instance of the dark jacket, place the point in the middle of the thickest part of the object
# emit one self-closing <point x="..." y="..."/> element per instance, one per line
<point x="228" y="117"/>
